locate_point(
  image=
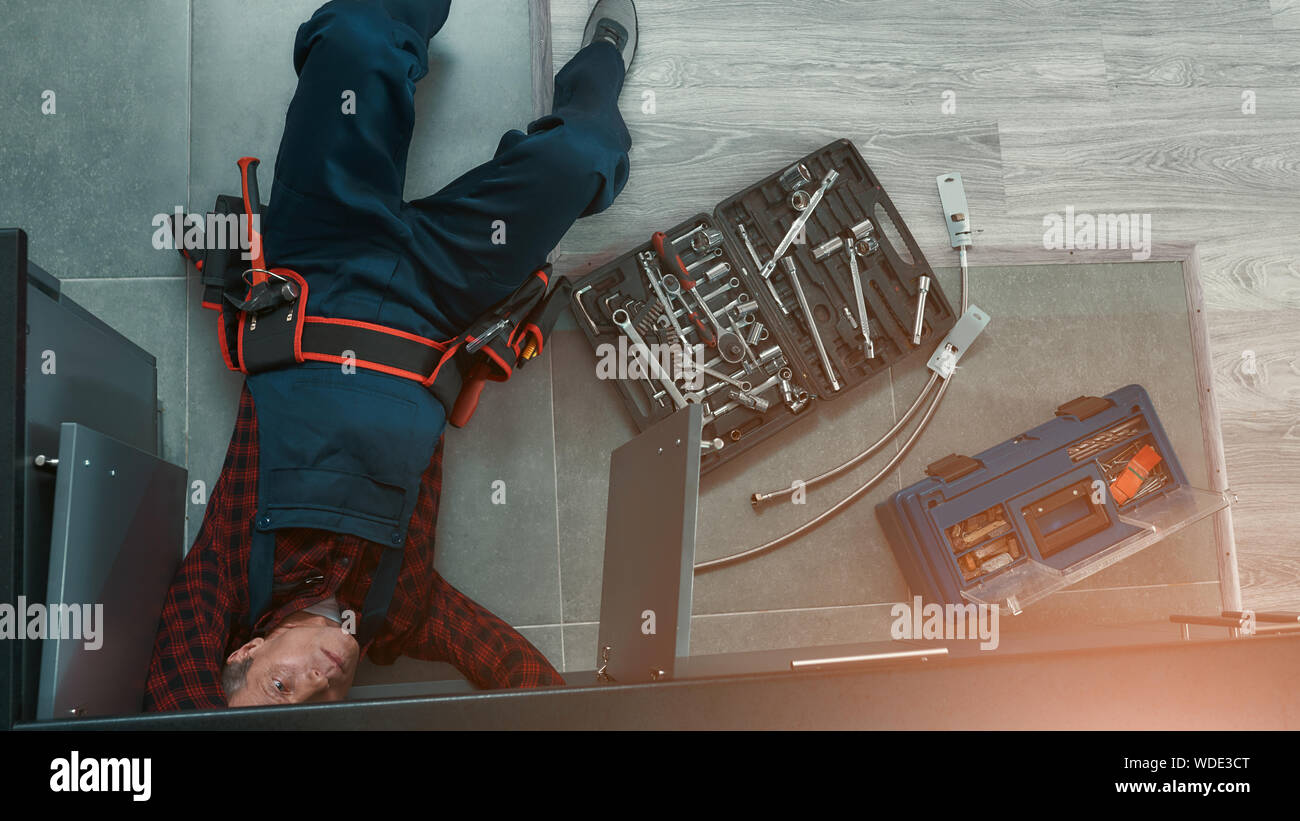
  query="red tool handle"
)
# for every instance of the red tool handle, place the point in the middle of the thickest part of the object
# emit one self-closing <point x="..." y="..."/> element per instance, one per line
<point x="252" y="205"/>
<point x="467" y="400"/>
<point x="669" y="257"/>
<point x="705" y="334"/>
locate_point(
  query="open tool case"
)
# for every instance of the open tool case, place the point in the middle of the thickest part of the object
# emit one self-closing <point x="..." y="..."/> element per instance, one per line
<point x="750" y="308"/>
<point x="1045" y="509"/>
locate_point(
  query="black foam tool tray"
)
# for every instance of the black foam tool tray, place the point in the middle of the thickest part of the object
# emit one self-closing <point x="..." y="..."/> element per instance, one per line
<point x="889" y="276"/>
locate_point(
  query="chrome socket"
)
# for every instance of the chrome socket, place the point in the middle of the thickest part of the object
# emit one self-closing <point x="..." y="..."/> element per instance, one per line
<point x="795" y="177"/>
<point x="923" y="290"/>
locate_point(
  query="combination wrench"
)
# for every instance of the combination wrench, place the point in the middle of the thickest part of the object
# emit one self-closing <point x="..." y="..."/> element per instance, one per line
<point x="709" y="339"/>
<point x="675" y="287"/>
<point x="758" y="266"/>
<point x="774" y="352"/>
<point x="647" y="267"/>
<point x="624" y="322"/>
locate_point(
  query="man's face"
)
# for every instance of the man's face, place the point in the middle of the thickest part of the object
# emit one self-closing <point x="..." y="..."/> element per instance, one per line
<point x="299" y="661"/>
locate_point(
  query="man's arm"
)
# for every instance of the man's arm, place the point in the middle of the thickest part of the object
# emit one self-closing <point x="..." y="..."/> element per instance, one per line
<point x="489" y="652"/>
<point x="208" y="593"/>
<point x="185" y="672"/>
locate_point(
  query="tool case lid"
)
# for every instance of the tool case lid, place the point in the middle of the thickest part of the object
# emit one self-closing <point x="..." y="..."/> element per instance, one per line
<point x="1021" y="585"/>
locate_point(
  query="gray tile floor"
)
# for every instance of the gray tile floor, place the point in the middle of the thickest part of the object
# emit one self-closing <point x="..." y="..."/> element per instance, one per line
<point x="156" y="118"/>
<point x="836" y="585"/>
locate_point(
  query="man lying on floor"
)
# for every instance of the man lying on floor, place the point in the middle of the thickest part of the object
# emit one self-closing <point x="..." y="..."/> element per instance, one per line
<point x="317" y="543"/>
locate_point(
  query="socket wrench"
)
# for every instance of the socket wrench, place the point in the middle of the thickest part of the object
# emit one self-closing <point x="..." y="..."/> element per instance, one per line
<point x="797" y="226"/>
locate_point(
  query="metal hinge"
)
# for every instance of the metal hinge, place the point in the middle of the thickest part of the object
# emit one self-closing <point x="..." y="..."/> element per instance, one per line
<point x="602" y="673"/>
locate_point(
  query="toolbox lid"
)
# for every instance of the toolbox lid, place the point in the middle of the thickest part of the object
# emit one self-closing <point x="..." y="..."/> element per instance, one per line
<point x="1030" y="580"/>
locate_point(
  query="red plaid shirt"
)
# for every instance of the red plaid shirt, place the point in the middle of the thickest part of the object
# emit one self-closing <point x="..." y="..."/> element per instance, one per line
<point x="207" y="604"/>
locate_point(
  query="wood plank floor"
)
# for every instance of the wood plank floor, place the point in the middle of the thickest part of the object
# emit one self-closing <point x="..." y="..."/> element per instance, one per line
<point x="1188" y="111"/>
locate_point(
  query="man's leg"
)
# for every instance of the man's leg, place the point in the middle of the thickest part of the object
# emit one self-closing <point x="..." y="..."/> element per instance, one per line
<point x="342" y="159"/>
<point x="569" y="164"/>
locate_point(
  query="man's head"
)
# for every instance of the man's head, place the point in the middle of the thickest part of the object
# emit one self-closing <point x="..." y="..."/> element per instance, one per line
<point x="304" y="658"/>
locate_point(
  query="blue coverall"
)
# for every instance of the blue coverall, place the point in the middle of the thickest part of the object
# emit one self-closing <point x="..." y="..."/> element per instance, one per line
<point x="344" y="451"/>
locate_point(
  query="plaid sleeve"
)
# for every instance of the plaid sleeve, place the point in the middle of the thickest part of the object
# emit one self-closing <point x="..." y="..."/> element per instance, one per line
<point x="207" y="595"/>
<point x="185" y="672"/>
<point x="489" y="652"/>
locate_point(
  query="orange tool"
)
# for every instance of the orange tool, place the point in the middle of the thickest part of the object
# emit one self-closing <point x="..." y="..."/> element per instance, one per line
<point x="1130" y="479"/>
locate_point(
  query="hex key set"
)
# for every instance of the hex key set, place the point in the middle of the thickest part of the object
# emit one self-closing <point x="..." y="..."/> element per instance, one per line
<point x="789" y="293"/>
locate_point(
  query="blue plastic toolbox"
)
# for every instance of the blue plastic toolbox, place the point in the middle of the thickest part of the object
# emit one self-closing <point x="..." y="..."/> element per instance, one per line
<point x="1042" y="509"/>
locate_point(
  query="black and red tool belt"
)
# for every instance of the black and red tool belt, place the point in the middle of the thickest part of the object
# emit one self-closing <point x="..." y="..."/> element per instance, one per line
<point x="265" y="322"/>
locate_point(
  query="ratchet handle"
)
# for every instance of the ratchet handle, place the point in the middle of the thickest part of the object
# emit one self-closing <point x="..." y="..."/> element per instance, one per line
<point x="705" y="333"/>
<point x="669" y="257"/>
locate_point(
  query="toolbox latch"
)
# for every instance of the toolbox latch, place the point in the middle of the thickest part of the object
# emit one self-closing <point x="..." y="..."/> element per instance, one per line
<point x="953" y="466"/>
<point x="1084" y="407"/>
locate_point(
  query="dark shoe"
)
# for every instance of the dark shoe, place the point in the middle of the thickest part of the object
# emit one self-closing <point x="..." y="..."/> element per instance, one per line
<point x="615" y="22"/>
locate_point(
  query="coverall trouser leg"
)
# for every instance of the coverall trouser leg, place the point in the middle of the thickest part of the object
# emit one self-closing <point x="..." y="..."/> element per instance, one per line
<point x="341" y="168"/>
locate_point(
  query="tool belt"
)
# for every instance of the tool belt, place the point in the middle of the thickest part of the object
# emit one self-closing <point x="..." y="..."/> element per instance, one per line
<point x="265" y="322"/>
